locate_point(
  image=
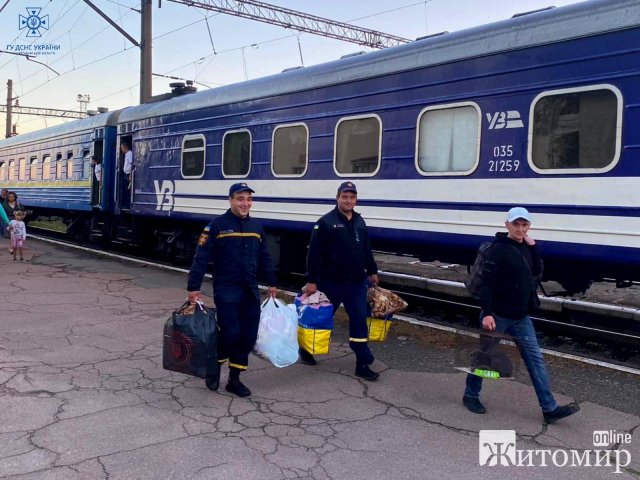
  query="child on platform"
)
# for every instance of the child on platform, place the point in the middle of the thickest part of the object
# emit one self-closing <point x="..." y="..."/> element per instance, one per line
<point x="18" y="231"/>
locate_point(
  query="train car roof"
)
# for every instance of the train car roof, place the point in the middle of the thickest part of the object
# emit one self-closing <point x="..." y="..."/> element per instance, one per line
<point x="100" y="120"/>
<point x="544" y="27"/>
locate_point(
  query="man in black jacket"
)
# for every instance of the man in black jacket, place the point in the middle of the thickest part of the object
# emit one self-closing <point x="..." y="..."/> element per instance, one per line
<point x="236" y="244"/>
<point x="507" y="295"/>
<point x="338" y="263"/>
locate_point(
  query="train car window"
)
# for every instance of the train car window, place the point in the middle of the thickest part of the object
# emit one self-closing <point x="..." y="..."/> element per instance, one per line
<point x="448" y="139"/>
<point x="33" y="168"/>
<point x="59" y="166"/>
<point x="357" y="146"/>
<point x="12" y="169"/>
<point x="236" y="153"/>
<point x="575" y="130"/>
<point x="193" y="156"/>
<point x="22" y="169"/>
<point x="70" y="165"/>
<point x="46" y="168"/>
<point x="289" y="153"/>
<point x="86" y="164"/>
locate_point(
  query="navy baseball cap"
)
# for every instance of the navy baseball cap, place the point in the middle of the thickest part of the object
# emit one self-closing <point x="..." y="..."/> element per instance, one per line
<point x="347" y="187"/>
<point x="240" y="187"/>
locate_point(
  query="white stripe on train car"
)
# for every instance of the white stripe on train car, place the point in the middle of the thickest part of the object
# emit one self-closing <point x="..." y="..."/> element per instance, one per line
<point x="584" y="229"/>
<point x="599" y="191"/>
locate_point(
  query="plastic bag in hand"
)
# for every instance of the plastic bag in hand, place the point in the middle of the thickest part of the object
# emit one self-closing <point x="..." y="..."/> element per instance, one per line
<point x="278" y="333"/>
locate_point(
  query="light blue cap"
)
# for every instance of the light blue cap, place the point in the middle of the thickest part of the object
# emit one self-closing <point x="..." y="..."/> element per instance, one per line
<point x="518" y="212"/>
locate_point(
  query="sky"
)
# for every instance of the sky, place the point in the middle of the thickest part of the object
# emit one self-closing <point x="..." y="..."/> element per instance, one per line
<point x="91" y="58"/>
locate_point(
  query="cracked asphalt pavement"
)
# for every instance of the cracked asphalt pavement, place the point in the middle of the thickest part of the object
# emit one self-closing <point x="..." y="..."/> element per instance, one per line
<point x="83" y="396"/>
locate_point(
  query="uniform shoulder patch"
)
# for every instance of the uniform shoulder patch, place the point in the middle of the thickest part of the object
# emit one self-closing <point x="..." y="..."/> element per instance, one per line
<point x="316" y="226"/>
<point x="203" y="239"/>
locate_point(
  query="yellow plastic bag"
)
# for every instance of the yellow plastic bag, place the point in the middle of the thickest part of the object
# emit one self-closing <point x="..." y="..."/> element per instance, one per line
<point x="378" y="329"/>
<point x="314" y="341"/>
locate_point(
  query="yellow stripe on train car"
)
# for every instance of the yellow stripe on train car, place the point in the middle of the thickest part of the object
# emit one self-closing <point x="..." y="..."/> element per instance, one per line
<point x="63" y="183"/>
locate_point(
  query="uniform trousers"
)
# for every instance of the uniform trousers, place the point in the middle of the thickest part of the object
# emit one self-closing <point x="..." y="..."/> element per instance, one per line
<point x="238" y="322"/>
<point x="354" y="298"/>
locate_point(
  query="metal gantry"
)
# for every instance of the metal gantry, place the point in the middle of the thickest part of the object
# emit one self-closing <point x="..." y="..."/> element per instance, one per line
<point x="303" y="22"/>
<point x="44" y="112"/>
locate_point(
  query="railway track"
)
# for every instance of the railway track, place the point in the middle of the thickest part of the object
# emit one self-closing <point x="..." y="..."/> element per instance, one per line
<point x="568" y="329"/>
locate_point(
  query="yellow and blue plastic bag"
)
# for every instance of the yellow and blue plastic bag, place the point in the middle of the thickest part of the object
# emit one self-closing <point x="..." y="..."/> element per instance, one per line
<point x="315" y="323"/>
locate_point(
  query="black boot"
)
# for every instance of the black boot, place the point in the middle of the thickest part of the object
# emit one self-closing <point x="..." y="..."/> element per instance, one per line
<point x="234" y="385"/>
<point x="306" y="357"/>
<point x="213" y="382"/>
<point x="363" y="371"/>
<point x="238" y="388"/>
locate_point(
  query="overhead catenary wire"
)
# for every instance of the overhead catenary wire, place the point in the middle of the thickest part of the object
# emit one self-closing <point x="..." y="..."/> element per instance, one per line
<point x="210" y="56"/>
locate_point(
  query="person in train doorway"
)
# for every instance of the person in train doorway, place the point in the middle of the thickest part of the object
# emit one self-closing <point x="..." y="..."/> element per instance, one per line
<point x="96" y="165"/>
<point x="507" y="295"/>
<point x="236" y="244"/>
<point x="127" y="168"/>
<point x="339" y="261"/>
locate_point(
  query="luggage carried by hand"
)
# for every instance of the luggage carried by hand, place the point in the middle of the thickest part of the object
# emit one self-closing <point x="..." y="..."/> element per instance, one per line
<point x="190" y="341"/>
<point x="315" y="322"/>
<point x="278" y="333"/>
<point x="384" y="302"/>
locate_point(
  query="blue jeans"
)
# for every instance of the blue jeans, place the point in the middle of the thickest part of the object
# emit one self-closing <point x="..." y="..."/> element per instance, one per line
<point x="354" y="298"/>
<point x="525" y="338"/>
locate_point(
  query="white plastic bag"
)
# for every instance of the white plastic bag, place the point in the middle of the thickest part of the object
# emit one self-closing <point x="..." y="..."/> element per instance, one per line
<point x="278" y="333"/>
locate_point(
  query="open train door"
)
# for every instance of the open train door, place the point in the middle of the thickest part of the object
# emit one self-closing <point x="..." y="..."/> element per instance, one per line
<point x="96" y="185"/>
<point x="124" y="180"/>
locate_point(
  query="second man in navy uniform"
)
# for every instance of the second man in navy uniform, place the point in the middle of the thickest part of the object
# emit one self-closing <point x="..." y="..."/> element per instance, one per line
<point x="338" y="263"/>
<point x="236" y="244"/>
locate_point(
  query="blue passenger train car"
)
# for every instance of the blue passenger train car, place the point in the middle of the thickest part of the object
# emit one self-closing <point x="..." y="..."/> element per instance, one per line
<point x="51" y="172"/>
<point x="441" y="136"/>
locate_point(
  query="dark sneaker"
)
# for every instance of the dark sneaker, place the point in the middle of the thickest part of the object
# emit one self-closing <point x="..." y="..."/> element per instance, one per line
<point x="363" y="371"/>
<point x="306" y="357"/>
<point x="560" y="412"/>
<point x="237" y="387"/>
<point x="473" y="404"/>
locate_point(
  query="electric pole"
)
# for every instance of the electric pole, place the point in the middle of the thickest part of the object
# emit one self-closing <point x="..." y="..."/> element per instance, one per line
<point x="145" y="52"/>
<point x="9" y="105"/>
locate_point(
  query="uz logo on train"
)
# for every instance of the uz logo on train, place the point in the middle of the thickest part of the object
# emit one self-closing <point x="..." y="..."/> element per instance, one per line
<point x="164" y="195"/>
<point x="508" y="119"/>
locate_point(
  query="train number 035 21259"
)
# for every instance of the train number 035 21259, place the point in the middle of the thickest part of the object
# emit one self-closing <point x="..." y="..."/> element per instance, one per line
<point x="504" y="165"/>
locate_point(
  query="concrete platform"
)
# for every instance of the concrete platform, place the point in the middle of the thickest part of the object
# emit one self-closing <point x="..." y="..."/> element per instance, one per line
<point x="83" y="396"/>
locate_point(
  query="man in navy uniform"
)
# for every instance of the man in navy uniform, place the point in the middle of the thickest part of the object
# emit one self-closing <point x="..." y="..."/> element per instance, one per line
<point x="237" y="245"/>
<point x="338" y="263"/>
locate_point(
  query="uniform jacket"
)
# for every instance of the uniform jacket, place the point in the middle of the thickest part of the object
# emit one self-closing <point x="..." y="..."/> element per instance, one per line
<point x="339" y="250"/>
<point x="509" y="289"/>
<point x="238" y="249"/>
